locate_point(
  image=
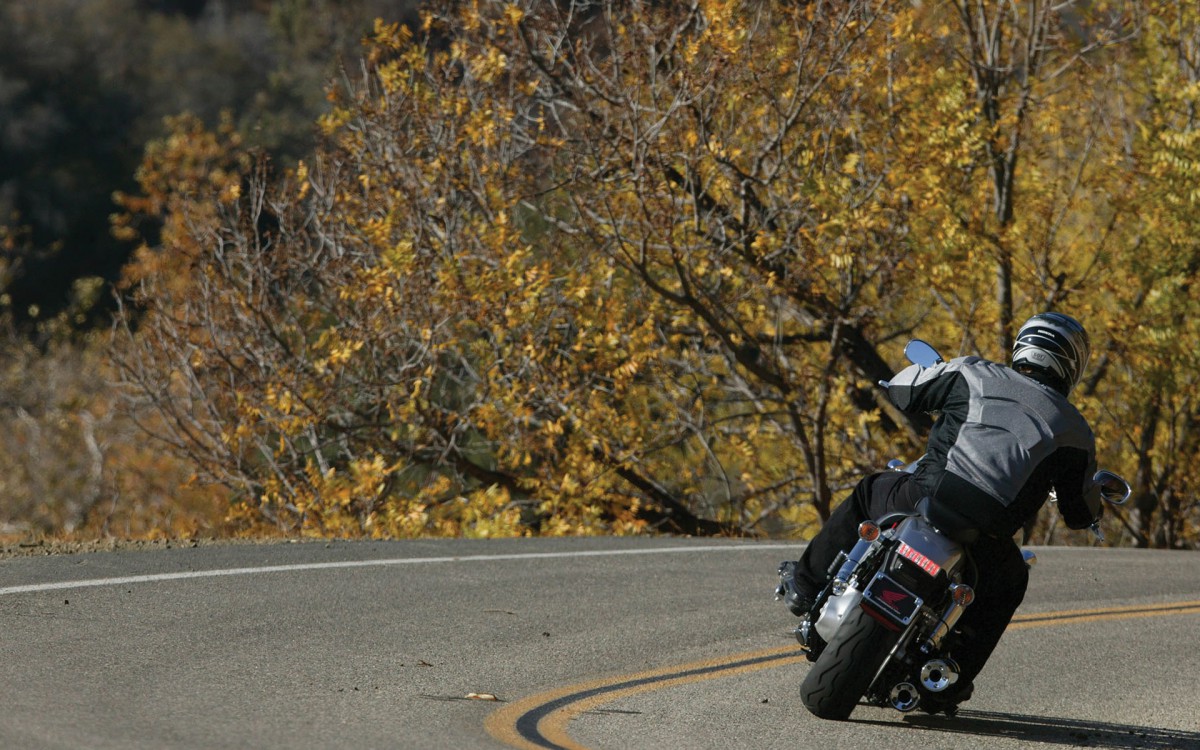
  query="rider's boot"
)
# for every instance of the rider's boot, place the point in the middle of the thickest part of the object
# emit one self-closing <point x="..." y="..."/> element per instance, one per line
<point x="947" y="702"/>
<point x="798" y="601"/>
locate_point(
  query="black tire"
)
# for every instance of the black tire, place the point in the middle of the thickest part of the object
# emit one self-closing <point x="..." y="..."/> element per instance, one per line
<point x="847" y="666"/>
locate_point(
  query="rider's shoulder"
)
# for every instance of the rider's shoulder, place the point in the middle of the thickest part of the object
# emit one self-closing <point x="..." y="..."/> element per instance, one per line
<point x="972" y="362"/>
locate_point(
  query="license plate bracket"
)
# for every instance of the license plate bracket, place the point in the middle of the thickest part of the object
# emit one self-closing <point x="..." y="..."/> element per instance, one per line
<point x="893" y="600"/>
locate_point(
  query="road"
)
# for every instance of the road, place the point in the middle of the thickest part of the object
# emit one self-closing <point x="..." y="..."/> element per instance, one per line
<point x="584" y="643"/>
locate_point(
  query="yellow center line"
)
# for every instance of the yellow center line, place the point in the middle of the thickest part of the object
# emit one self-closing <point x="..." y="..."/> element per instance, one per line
<point x="539" y="722"/>
<point x="1046" y="619"/>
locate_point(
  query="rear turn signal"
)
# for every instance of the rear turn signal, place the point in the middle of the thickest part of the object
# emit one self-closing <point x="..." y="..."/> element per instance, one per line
<point x="868" y="531"/>
<point x="962" y="594"/>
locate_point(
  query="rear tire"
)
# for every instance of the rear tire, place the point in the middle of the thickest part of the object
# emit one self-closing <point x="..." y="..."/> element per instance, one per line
<point x="847" y="666"/>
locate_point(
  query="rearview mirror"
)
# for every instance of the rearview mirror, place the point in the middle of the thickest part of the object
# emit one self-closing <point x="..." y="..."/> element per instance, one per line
<point x="920" y="353"/>
<point x="1113" y="488"/>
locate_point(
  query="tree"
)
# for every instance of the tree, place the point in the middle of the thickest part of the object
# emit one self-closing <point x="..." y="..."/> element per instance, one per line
<point x="1153" y="301"/>
<point x="612" y="267"/>
<point x="503" y="267"/>
<point x="85" y="85"/>
<point x="1031" y="200"/>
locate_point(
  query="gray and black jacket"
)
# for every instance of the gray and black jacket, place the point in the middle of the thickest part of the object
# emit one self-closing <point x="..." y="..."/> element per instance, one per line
<point x="1001" y="442"/>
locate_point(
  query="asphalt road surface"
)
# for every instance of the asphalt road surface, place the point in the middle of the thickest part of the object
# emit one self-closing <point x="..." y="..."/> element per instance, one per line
<point x="569" y="643"/>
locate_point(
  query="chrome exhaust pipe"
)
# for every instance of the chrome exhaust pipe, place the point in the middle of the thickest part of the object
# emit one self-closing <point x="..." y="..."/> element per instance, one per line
<point x="905" y="697"/>
<point x="939" y="674"/>
<point x="961" y="596"/>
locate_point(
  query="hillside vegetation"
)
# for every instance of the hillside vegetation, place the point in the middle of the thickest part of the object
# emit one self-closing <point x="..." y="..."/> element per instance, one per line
<point x="597" y="268"/>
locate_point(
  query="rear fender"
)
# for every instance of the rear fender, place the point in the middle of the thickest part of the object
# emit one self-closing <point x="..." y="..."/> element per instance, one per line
<point x="921" y="536"/>
<point x="924" y="559"/>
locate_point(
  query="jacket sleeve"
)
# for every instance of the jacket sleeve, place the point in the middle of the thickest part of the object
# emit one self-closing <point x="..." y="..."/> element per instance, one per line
<point x="1078" y="494"/>
<point x="917" y="389"/>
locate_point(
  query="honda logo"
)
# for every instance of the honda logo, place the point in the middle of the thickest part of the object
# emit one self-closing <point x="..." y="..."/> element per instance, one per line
<point x="893" y="598"/>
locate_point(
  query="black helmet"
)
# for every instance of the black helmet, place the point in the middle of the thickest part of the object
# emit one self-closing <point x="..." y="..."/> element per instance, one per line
<point x="1054" y="345"/>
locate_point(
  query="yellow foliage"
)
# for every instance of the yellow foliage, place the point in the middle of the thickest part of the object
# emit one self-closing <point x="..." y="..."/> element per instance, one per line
<point x="642" y="273"/>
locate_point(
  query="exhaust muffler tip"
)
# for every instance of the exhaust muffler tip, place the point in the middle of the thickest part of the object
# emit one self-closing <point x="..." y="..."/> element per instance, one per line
<point x="905" y="697"/>
<point x="939" y="674"/>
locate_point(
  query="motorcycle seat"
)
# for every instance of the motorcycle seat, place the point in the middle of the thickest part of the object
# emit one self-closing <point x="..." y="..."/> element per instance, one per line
<point x="949" y="521"/>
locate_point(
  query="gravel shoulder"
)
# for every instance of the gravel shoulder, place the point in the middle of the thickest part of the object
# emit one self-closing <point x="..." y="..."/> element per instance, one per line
<point x="46" y="547"/>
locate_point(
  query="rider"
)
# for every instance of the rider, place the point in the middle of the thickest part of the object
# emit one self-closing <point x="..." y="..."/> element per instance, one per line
<point x="1004" y="438"/>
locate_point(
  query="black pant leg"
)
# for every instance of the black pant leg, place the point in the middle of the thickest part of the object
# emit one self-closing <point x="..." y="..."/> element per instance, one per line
<point x="873" y="497"/>
<point x="839" y="532"/>
<point x="1000" y="588"/>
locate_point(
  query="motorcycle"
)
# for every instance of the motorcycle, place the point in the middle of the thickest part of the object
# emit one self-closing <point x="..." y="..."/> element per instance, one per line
<point x="884" y="625"/>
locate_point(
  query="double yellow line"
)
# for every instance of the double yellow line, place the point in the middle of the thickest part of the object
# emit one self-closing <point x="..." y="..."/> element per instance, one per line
<point x="539" y="722"/>
<point x="1046" y="619"/>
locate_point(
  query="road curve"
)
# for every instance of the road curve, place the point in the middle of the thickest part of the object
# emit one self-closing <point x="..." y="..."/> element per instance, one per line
<point x="582" y="643"/>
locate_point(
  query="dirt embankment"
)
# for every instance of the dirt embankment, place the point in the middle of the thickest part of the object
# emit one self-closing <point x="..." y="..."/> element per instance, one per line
<point x="60" y="547"/>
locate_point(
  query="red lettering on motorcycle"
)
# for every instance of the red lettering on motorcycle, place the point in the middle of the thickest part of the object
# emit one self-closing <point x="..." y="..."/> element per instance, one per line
<point x="923" y="562"/>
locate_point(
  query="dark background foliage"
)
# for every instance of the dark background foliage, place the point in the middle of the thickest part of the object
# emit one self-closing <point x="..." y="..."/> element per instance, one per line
<point x="85" y="84"/>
